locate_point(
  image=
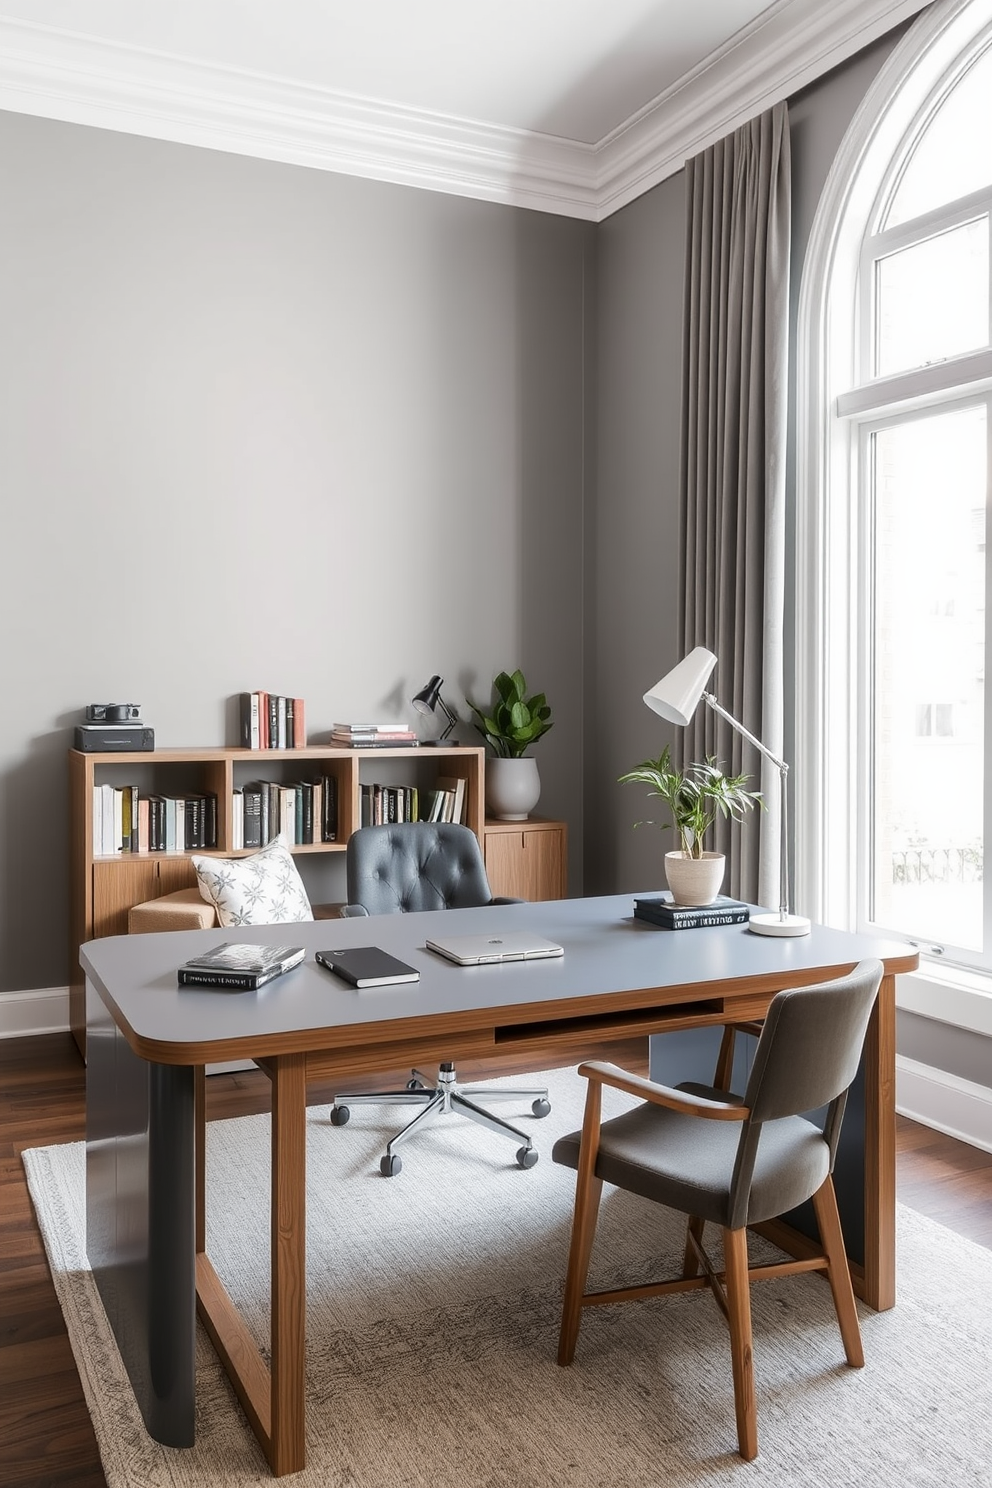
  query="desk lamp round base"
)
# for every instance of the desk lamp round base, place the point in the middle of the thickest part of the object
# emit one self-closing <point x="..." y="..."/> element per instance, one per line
<point x="779" y="924"/>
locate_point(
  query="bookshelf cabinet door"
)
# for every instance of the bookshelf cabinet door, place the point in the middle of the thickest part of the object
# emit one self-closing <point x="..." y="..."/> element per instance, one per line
<point x="526" y="861"/>
<point x="116" y="886"/>
<point x="173" y="874"/>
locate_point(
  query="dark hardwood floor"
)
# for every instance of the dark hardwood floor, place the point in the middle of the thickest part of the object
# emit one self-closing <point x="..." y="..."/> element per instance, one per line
<point x="46" y="1439"/>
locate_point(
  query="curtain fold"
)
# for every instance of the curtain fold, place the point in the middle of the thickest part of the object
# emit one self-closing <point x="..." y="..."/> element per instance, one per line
<point x="734" y="415"/>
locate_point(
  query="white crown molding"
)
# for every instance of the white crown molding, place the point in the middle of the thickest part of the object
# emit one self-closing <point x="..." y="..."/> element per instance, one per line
<point x="59" y="74"/>
<point x="781" y="51"/>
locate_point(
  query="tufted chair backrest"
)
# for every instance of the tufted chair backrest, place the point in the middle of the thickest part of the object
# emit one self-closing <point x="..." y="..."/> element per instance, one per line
<point x="416" y="865"/>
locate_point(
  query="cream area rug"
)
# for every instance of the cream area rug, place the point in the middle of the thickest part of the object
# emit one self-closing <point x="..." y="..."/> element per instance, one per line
<point x="433" y="1311"/>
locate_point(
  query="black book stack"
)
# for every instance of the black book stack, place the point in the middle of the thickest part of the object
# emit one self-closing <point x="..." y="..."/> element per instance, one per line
<point x="660" y="909"/>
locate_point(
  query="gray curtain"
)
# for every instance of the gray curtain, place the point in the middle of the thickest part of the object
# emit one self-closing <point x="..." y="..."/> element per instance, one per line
<point x="734" y="407"/>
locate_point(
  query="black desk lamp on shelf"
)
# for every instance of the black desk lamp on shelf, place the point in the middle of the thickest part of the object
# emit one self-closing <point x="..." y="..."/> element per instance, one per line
<point x="428" y="701"/>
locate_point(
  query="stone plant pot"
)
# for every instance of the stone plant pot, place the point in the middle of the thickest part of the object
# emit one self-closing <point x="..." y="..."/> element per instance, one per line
<point x="513" y="788"/>
<point x="694" y="880"/>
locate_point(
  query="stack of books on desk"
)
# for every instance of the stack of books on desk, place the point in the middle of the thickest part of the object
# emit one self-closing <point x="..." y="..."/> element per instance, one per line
<point x="373" y="736"/>
<point x="661" y="909"/>
<point x="234" y="967"/>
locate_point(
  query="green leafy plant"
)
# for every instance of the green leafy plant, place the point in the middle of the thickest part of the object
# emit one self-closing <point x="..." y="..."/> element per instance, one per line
<point x="513" y="721"/>
<point x="694" y="797"/>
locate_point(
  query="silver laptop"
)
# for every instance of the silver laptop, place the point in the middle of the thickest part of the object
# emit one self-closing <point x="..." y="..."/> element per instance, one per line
<point x="479" y="950"/>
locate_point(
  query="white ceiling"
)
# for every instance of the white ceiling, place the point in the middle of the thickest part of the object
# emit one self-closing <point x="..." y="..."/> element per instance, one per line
<point x="573" y="106"/>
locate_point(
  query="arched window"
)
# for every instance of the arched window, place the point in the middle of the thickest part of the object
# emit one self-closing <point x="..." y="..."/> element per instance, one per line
<point x="894" y="742"/>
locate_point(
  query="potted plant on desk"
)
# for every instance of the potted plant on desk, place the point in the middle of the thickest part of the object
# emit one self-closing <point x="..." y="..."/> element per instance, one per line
<point x="694" y="796"/>
<point x="510" y="725"/>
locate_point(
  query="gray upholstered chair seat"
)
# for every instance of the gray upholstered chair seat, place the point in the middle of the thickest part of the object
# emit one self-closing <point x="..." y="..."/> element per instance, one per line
<point x="688" y="1164"/>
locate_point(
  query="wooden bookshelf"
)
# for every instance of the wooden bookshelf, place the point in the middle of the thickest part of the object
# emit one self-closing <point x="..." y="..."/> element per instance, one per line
<point x="103" y="889"/>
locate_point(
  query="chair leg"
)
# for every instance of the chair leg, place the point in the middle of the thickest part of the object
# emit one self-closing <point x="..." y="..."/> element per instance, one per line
<point x="741" y="1348"/>
<point x="587" y="1194"/>
<point x="838" y="1272"/>
<point x="690" y="1264"/>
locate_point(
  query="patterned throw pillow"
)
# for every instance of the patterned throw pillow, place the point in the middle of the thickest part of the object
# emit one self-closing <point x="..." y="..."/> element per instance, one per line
<point x="264" y="889"/>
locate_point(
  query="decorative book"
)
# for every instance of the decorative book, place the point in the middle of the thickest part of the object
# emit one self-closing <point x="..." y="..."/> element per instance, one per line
<point x="367" y="966"/>
<point x="660" y="909"/>
<point x="239" y="967"/>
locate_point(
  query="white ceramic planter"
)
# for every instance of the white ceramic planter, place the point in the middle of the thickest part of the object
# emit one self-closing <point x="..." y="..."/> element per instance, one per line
<point x="513" y="788"/>
<point x="694" y="880"/>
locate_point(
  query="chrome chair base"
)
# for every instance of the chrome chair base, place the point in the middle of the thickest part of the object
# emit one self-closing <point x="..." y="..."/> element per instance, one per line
<point x="444" y="1097"/>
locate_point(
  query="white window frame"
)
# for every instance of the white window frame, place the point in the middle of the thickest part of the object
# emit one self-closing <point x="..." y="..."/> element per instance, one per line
<point x="831" y="602"/>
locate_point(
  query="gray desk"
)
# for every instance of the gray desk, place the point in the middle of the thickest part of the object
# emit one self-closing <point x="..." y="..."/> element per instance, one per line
<point x="148" y="1042"/>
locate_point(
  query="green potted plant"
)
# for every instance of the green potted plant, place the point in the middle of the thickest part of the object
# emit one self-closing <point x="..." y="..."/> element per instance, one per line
<point x="511" y="724"/>
<point x="694" y="796"/>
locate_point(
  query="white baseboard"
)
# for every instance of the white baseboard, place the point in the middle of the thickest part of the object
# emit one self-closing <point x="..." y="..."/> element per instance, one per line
<point x="45" y="1010"/>
<point x="957" y="1107"/>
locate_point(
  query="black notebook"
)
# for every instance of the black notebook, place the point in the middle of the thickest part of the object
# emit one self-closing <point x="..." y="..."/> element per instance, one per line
<point x="239" y="967"/>
<point x="367" y="966"/>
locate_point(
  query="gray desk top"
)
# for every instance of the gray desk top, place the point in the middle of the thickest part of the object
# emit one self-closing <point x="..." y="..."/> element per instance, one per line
<point x="606" y="950"/>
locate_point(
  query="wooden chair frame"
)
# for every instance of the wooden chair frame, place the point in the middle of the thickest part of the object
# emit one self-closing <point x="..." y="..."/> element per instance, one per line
<point x="731" y="1286"/>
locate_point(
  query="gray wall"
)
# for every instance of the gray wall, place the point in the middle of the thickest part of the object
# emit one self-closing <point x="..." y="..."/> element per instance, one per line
<point x="635" y="576"/>
<point x="265" y="427"/>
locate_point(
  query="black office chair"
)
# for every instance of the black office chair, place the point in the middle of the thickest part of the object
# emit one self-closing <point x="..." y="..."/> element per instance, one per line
<point x="415" y="866"/>
<point x="749" y="1159"/>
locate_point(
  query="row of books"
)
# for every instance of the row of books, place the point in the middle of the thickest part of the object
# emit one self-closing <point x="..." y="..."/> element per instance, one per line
<point x="126" y="820"/>
<point x="304" y="811"/>
<point x="382" y="804"/>
<point x="661" y="909"/>
<point x="269" y="721"/>
<point x="373" y="736"/>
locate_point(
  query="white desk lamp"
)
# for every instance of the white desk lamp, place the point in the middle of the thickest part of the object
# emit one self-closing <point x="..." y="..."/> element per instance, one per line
<point x="676" y="698"/>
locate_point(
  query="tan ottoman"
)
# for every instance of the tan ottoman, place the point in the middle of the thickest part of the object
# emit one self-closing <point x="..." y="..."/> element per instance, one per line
<point x="182" y="910"/>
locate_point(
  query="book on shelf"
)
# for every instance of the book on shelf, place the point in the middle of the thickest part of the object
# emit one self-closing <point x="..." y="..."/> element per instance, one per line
<point x="660" y="909"/>
<point x="372" y="728"/>
<point x="454" y="788"/>
<point x="304" y="811"/>
<point x="126" y="820"/>
<point x="267" y="720"/>
<point x="237" y="967"/>
<point x="349" y="738"/>
<point x="382" y="804"/>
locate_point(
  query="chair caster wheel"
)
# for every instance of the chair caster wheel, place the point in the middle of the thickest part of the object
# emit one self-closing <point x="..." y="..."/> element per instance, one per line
<point x="527" y="1157"/>
<point x="541" y="1108"/>
<point x="340" y="1115"/>
<point x="390" y="1165"/>
<point x="414" y="1085"/>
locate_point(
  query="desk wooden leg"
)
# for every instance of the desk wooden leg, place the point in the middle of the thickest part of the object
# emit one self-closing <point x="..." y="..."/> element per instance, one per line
<point x="879" y="1281"/>
<point x="287" y="1447"/>
<point x="272" y="1397"/>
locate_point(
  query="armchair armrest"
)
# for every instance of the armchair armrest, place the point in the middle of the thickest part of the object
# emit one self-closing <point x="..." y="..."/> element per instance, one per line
<point x="663" y="1095"/>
